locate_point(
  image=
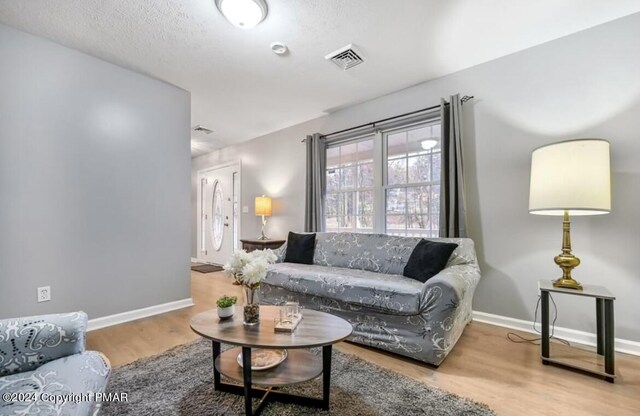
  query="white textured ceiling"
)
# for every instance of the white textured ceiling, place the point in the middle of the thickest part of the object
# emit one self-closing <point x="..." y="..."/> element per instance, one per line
<point x="242" y="90"/>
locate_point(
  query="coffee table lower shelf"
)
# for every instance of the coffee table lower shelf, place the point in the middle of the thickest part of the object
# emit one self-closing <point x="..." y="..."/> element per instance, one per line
<point x="300" y="366"/>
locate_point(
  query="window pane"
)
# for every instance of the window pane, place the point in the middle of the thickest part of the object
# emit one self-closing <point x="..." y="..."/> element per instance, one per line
<point x="396" y="222"/>
<point x="396" y="201"/>
<point x="419" y="168"/>
<point x="435" y="199"/>
<point x="332" y="223"/>
<point x="348" y="177"/>
<point x="331" y="205"/>
<point x="418" y="223"/>
<point x="365" y="175"/>
<point x="333" y="157"/>
<point x="365" y="222"/>
<point x="436" y="169"/>
<point x="424" y="139"/>
<point x="435" y="225"/>
<point x="349" y="211"/>
<point x="348" y="154"/>
<point x="418" y="200"/>
<point x="365" y="151"/>
<point x="333" y="179"/>
<point x="415" y="138"/>
<point x="350" y="169"/>
<point x="397" y="172"/>
<point x="365" y="203"/>
<point x="397" y="145"/>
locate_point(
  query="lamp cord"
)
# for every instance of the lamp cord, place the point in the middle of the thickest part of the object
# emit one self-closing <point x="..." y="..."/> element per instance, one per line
<point x="519" y="339"/>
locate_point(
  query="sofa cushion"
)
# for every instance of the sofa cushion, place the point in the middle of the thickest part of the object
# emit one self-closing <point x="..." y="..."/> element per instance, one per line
<point x="300" y="248"/>
<point x="380" y="253"/>
<point x="83" y="373"/>
<point x="386" y="292"/>
<point x="428" y="259"/>
<point x="373" y="252"/>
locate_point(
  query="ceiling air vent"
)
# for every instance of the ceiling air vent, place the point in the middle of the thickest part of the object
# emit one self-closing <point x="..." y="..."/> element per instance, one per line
<point x="345" y="58"/>
<point x="202" y="129"/>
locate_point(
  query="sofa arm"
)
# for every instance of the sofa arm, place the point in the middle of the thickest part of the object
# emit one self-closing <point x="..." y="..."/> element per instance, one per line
<point x="446" y="304"/>
<point x="27" y="343"/>
<point x="458" y="282"/>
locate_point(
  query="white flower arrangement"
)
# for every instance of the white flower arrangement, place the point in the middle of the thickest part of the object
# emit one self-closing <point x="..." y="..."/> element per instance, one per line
<point x="250" y="269"/>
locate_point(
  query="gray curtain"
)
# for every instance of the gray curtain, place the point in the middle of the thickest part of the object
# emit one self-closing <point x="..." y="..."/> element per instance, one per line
<point x="315" y="185"/>
<point x="453" y="209"/>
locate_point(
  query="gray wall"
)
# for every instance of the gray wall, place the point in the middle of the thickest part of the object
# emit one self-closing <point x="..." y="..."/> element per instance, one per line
<point x="94" y="183"/>
<point x="584" y="85"/>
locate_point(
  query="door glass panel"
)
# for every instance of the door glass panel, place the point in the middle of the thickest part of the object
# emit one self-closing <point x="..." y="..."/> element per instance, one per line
<point x="217" y="216"/>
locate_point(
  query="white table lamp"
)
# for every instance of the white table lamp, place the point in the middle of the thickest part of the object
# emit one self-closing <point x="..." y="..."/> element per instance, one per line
<point x="570" y="178"/>
<point x="263" y="208"/>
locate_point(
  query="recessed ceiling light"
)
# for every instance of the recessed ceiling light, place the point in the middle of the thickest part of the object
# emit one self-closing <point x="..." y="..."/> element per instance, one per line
<point x="244" y="14"/>
<point x="279" y="48"/>
<point x="429" y="144"/>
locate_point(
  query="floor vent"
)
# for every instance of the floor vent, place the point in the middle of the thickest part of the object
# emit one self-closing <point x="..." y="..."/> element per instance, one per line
<point x="345" y="58"/>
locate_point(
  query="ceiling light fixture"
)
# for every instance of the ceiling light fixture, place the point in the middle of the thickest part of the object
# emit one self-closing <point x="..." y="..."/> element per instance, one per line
<point x="429" y="144"/>
<point x="244" y="14"/>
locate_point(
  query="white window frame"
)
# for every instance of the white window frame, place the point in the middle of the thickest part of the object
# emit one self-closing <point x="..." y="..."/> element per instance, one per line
<point x="380" y="134"/>
<point x="385" y="167"/>
<point x="356" y="189"/>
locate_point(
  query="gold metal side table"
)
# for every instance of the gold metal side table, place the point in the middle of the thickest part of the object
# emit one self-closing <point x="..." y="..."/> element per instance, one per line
<point x="604" y="328"/>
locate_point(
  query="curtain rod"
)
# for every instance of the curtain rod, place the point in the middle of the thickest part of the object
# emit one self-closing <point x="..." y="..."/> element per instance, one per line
<point x="373" y="123"/>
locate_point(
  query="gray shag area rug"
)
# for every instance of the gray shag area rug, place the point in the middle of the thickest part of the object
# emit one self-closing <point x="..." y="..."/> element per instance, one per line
<point x="180" y="382"/>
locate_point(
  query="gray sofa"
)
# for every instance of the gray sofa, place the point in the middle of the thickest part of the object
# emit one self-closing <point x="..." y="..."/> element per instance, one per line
<point x="44" y="358"/>
<point x="359" y="277"/>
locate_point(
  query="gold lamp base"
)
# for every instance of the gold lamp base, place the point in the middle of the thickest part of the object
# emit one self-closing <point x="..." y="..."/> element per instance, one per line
<point x="567" y="284"/>
<point x="566" y="260"/>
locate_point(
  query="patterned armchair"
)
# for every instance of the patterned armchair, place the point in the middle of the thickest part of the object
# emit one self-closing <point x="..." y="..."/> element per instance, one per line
<point x="45" y="370"/>
<point x="359" y="277"/>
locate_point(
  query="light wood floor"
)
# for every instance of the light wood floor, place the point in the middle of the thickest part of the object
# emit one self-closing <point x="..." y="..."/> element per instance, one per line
<point x="484" y="365"/>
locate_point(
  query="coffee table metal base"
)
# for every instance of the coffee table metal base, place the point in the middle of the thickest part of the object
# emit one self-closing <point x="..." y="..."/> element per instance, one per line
<point x="270" y="394"/>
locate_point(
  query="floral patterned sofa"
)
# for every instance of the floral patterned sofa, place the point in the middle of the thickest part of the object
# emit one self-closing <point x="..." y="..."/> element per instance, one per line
<point x="359" y="277"/>
<point x="45" y="370"/>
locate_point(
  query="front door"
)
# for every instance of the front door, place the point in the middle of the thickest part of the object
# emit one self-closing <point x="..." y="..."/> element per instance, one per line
<point x="218" y="214"/>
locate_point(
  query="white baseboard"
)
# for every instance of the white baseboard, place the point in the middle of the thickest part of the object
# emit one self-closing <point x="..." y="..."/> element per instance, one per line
<point x="123" y="317"/>
<point x="194" y="260"/>
<point x="571" y="335"/>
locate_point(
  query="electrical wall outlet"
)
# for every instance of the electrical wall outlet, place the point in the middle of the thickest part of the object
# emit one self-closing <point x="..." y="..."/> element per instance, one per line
<point x="245" y="209"/>
<point x="44" y="293"/>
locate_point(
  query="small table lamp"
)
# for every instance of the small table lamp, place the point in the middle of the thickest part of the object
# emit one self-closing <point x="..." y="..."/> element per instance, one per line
<point x="570" y="178"/>
<point x="263" y="207"/>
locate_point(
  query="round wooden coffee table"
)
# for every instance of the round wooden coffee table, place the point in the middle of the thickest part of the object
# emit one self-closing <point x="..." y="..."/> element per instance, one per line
<point x="317" y="329"/>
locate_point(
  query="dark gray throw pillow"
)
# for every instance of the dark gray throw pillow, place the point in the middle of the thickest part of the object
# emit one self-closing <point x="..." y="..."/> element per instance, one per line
<point x="300" y="248"/>
<point x="428" y="259"/>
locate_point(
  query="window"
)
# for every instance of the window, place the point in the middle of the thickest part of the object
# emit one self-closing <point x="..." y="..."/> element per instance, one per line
<point x="412" y="189"/>
<point x="386" y="181"/>
<point x="349" y="196"/>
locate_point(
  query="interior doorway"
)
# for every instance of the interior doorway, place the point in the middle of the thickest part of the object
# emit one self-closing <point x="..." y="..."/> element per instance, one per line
<point x="218" y="213"/>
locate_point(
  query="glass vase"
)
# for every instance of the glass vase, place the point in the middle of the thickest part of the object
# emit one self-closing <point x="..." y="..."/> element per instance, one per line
<point x="252" y="306"/>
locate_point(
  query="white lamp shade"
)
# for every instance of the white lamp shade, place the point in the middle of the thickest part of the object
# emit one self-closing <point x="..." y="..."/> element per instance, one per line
<point x="573" y="176"/>
<point x="263" y="205"/>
